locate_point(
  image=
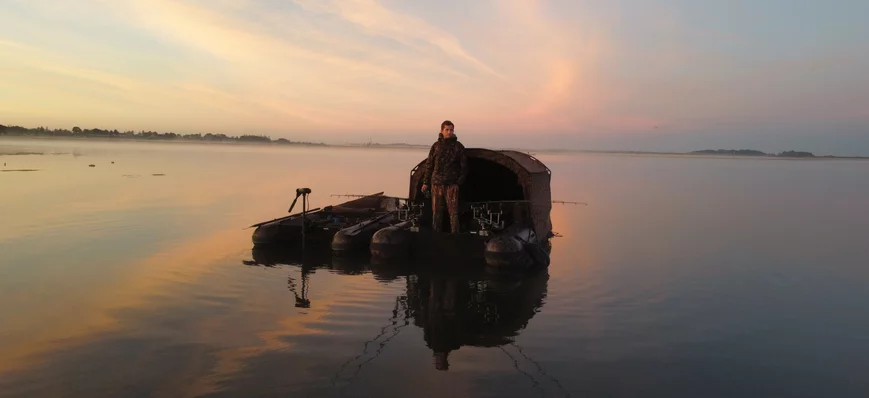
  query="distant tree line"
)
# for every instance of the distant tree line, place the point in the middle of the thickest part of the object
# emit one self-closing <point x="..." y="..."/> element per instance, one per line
<point x="751" y="152"/>
<point x="738" y="152"/>
<point x="76" y="132"/>
<point x="796" y="154"/>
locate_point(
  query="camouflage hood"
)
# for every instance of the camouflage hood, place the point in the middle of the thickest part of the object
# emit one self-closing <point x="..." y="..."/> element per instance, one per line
<point x="447" y="163"/>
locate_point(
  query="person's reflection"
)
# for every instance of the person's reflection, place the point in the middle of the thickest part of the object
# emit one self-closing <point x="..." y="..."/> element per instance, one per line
<point x="459" y="308"/>
<point x="442" y="329"/>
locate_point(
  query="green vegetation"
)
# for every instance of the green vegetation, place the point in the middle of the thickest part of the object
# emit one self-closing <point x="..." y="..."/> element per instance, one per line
<point x="78" y="132"/>
<point x="795" y="154"/>
<point x="751" y="152"/>
<point x="730" y="152"/>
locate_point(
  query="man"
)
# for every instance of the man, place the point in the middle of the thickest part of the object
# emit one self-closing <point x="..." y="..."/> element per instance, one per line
<point x="445" y="169"/>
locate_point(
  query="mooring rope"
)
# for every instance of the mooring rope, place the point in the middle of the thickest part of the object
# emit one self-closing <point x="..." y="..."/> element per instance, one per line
<point x="534" y="383"/>
<point x="393" y="320"/>
<point x="540" y="369"/>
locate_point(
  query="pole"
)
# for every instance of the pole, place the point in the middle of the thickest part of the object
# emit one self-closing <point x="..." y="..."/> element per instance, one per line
<point x="304" y="217"/>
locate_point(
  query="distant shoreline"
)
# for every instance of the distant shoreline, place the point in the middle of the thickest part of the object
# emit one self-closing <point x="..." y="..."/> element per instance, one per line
<point x="208" y="142"/>
<point x="717" y="154"/>
<point x="699" y="155"/>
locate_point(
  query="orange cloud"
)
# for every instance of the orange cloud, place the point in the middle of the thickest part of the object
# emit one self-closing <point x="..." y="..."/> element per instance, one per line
<point x="407" y="29"/>
<point x="250" y="67"/>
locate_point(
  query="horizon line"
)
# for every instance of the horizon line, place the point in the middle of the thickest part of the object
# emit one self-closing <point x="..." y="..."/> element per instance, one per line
<point x="5" y="132"/>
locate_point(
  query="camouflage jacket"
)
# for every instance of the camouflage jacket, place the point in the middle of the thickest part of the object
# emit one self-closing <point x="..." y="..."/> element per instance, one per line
<point x="446" y="163"/>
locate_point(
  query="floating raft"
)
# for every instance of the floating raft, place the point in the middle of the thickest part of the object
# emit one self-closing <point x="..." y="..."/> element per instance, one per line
<point x="321" y="225"/>
<point x="504" y="217"/>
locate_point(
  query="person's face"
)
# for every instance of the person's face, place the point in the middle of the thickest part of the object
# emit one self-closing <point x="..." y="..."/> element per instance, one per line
<point x="447" y="131"/>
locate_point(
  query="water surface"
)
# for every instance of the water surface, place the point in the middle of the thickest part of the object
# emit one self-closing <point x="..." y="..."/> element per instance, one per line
<point x="682" y="277"/>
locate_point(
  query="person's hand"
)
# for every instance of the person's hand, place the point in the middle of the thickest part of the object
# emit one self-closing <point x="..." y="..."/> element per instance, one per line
<point x="424" y="187"/>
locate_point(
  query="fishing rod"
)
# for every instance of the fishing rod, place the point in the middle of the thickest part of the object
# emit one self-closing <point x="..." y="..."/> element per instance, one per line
<point x="303" y="192"/>
<point x="525" y="201"/>
<point x="364" y="196"/>
<point x="489" y="201"/>
<point x="567" y="202"/>
<point x="283" y="218"/>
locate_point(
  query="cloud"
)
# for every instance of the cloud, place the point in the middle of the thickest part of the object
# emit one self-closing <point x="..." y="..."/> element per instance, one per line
<point x="305" y="72"/>
<point x="138" y="95"/>
<point x="321" y="66"/>
<point x="296" y="67"/>
<point x="556" y="65"/>
<point x="406" y="29"/>
<point x="287" y="50"/>
<point x="315" y="66"/>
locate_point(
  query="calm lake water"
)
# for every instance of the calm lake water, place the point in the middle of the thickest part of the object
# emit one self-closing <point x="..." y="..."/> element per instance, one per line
<point x="683" y="277"/>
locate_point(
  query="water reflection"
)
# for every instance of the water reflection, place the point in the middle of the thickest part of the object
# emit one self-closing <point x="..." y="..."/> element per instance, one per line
<point x="454" y="305"/>
<point x="459" y="307"/>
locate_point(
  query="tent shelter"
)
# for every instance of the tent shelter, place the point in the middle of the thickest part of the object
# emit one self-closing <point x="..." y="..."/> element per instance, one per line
<point x="500" y="176"/>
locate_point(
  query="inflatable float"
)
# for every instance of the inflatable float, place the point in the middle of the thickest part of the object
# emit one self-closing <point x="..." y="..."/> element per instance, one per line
<point x="504" y="218"/>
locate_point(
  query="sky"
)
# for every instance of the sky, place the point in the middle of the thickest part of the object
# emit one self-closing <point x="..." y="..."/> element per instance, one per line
<point x="659" y="75"/>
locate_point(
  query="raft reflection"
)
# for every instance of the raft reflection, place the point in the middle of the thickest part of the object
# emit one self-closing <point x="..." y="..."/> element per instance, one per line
<point x="454" y="305"/>
<point x="459" y="307"/>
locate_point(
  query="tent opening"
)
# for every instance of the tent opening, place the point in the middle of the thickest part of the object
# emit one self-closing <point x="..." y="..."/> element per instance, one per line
<point x="486" y="181"/>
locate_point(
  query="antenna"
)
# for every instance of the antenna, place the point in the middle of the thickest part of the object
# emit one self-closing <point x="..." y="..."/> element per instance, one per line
<point x="567" y="202"/>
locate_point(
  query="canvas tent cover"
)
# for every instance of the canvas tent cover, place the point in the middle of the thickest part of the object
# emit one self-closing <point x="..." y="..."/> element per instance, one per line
<point x="502" y="175"/>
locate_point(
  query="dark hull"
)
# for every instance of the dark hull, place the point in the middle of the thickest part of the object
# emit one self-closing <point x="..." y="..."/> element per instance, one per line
<point x="284" y="234"/>
<point x="321" y="225"/>
<point x="358" y="237"/>
<point x="514" y="249"/>
<point x="425" y="246"/>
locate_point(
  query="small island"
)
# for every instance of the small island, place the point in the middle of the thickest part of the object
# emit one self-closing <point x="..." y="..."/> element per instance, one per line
<point x="751" y="152"/>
